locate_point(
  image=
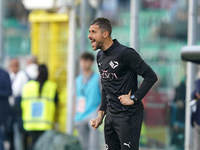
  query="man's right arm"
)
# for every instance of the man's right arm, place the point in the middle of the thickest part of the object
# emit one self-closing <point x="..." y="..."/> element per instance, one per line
<point x="95" y="123"/>
<point x="103" y="105"/>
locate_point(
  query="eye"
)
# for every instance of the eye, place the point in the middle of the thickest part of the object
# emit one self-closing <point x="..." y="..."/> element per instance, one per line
<point x="93" y="31"/>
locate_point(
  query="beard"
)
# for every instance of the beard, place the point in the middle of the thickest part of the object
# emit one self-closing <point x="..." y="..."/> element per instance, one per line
<point x="99" y="45"/>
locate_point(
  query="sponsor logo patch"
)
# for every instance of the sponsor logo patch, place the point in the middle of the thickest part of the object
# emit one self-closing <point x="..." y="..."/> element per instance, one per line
<point x="114" y="64"/>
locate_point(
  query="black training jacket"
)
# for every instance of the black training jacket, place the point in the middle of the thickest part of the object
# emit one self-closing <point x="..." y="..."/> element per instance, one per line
<point x="119" y="66"/>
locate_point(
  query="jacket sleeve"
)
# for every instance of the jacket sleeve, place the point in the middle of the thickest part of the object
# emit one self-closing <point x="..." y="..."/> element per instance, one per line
<point x="103" y="105"/>
<point x="194" y="94"/>
<point x="133" y="60"/>
<point x="6" y="90"/>
<point x="197" y="83"/>
<point x="196" y="90"/>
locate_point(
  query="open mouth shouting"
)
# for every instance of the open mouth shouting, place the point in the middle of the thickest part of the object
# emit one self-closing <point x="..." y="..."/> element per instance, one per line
<point x="93" y="42"/>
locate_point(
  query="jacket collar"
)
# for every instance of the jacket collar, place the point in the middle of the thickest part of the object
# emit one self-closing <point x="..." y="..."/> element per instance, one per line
<point x="113" y="46"/>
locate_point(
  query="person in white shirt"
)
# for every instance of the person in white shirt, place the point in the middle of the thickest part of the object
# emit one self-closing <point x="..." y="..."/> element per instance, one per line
<point x="12" y="71"/>
<point x="13" y="68"/>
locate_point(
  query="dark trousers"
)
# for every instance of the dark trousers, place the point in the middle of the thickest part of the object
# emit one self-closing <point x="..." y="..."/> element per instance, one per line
<point x="123" y="133"/>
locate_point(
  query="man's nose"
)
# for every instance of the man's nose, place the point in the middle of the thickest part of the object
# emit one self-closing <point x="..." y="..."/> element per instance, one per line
<point x="89" y="36"/>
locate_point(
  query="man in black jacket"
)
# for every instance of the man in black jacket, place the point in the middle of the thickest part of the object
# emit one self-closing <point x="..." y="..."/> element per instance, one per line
<point x="121" y="99"/>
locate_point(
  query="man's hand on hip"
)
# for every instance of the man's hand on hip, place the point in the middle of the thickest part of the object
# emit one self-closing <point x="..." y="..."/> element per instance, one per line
<point x="126" y="99"/>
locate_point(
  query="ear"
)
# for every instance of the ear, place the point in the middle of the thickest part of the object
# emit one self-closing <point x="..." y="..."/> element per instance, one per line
<point x="105" y="34"/>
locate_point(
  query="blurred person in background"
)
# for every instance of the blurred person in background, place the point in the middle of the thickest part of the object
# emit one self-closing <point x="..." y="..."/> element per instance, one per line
<point x="39" y="99"/>
<point x="22" y="77"/>
<point x="12" y="70"/>
<point x="5" y="92"/>
<point x="195" y="119"/>
<point x="88" y="97"/>
<point x="178" y="116"/>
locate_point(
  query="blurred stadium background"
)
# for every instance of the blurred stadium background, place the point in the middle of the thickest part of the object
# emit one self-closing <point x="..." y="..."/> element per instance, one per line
<point x="162" y="33"/>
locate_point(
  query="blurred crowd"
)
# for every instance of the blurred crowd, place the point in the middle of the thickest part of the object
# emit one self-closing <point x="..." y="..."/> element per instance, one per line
<point x="27" y="105"/>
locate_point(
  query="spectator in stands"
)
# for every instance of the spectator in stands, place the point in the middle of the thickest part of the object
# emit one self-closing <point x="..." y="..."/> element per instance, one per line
<point x="178" y="116"/>
<point x="88" y="97"/>
<point x="5" y="92"/>
<point x="22" y="77"/>
<point x="195" y="119"/>
<point x="38" y="104"/>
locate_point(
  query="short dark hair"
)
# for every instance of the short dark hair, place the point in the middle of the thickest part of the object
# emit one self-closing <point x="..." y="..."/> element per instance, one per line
<point x="103" y="23"/>
<point x="87" y="56"/>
